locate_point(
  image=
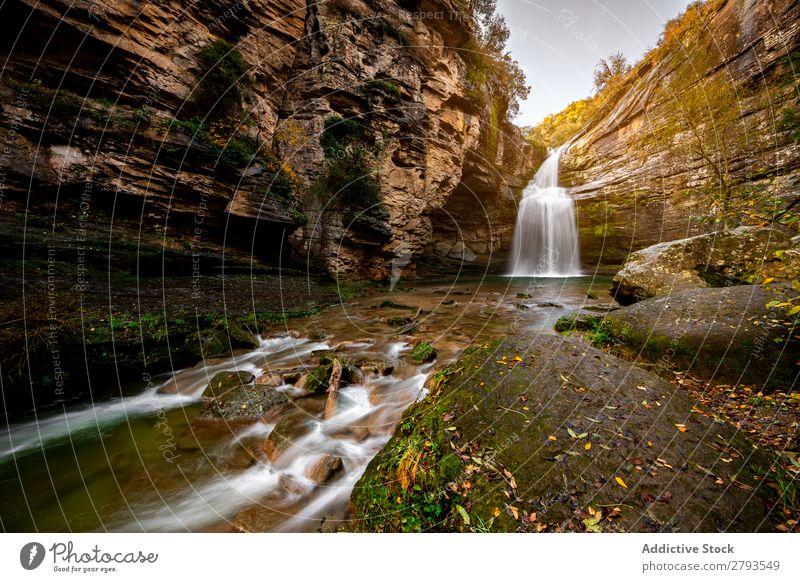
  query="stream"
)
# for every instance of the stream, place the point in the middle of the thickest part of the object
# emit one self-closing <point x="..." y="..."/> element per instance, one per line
<point x="150" y="461"/>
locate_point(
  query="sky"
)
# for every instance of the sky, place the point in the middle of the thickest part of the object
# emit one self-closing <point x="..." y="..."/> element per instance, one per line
<point x="558" y="43"/>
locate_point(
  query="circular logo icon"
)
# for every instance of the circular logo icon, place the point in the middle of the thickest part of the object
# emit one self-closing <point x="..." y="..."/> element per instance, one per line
<point x="31" y="555"/>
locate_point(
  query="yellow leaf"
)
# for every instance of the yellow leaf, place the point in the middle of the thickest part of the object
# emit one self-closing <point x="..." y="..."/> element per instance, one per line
<point x="768" y="280"/>
<point x="620" y="481"/>
<point x="681" y="427"/>
<point x="517" y="359"/>
<point x="496" y="511"/>
<point x="551" y="438"/>
<point x="514" y="511"/>
<point x="793" y="310"/>
<point x="587" y="446"/>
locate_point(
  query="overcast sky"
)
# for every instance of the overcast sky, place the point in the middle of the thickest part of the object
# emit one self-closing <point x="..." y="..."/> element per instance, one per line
<point x="559" y="42"/>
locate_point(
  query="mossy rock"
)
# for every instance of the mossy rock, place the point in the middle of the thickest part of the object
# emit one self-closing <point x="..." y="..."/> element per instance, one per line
<point x="423" y="352"/>
<point x="224" y="382"/>
<point x="724" y="335"/>
<point x="576" y="322"/>
<point x="555" y="428"/>
<point x="232" y="395"/>
<point x="218" y="341"/>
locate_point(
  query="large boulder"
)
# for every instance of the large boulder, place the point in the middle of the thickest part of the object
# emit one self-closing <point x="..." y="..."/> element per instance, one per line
<point x="708" y="260"/>
<point x="724" y="334"/>
<point x="554" y="435"/>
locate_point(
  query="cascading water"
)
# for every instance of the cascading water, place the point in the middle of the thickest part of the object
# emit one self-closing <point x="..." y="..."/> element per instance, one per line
<point x="545" y="237"/>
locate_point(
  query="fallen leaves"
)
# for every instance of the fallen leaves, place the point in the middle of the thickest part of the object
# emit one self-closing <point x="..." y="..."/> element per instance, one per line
<point x="620" y="482"/>
<point x="587" y="446"/>
<point x="575" y="435"/>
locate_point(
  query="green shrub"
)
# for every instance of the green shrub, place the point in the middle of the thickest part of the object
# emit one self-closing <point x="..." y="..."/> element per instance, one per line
<point x="387" y="87"/>
<point x="383" y="27"/>
<point x="350" y="164"/>
<point x="223" y="76"/>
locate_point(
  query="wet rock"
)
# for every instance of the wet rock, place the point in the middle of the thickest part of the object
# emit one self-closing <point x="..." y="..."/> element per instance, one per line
<point x="318" y="335"/>
<point x="550" y="304"/>
<point x="324" y="469"/>
<point x="316" y="380"/>
<point x="233" y="395"/>
<point x="272" y="380"/>
<point x="708" y="260"/>
<point x="377" y="367"/>
<point x="224" y="382"/>
<point x="724" y="334"/>
<point x="291" y="377"/>
<point x="334" y="382"/>
<point x="581" y="437"/>
<point x="283" y="436"/>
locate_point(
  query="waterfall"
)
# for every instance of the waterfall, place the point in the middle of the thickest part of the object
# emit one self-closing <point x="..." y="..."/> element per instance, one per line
<point x="545" y="237"/>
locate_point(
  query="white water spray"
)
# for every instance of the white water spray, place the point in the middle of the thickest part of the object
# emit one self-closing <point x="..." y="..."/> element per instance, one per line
<point x="545" y="237"/>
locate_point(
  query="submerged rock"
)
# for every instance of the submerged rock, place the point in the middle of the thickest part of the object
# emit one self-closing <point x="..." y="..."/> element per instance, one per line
<point x="708" y="260"/>
<point x="722" y="334"/>
<point x="532" y="434"/>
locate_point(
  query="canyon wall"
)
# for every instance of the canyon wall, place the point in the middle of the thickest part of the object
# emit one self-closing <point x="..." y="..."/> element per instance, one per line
<point x="640" y="178"/>
<point x="92" y="91"/>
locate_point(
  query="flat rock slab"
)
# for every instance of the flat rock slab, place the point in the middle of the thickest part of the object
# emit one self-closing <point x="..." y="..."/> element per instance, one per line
<point x="727" y="334"/>
<point x="528" y="436"/>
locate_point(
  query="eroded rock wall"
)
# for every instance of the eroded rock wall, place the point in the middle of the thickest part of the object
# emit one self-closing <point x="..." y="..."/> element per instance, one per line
<point x="306" y="61"/>
<point x="631" y="194"/>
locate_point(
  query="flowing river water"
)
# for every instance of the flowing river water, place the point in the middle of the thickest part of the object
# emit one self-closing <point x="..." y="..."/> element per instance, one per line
<point x="150" y="461"/>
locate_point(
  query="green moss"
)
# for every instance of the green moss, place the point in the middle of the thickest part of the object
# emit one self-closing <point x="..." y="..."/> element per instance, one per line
<point x="423" y="352"/>
<point x="576" y="322"/>
<point x="392" y="305"/>
<point x="318" y="379"/>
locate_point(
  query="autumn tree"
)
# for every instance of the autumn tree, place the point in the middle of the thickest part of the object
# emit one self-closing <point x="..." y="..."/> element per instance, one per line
<point x="610" y="69"/>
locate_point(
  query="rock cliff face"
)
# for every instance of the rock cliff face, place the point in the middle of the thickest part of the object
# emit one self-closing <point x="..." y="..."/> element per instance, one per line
<point x="633" y="190"/>
<point x="125" y="70"/>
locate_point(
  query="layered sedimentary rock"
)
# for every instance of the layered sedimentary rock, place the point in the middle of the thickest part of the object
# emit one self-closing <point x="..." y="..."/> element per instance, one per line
<point x="632" y="190"/>
<point x="134" y="68"/>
